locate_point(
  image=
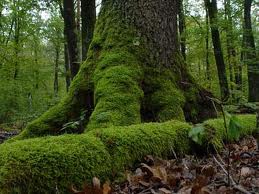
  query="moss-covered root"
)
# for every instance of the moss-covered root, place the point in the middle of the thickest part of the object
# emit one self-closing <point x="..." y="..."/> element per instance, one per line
<point x="78" y="99"/>
<point x="216" y="132"/>
<point x="52" y="164"/>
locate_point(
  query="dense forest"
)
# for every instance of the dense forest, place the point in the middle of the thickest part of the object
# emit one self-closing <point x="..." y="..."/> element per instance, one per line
<point x="90" y="88"/>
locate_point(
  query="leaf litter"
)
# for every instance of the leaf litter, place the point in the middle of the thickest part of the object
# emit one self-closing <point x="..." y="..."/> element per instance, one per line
<point x="191" y="174"/>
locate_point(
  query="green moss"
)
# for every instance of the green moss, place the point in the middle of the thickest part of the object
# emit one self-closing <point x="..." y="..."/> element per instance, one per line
<point x="131" y="143"/>
<point x="162" y="96"/>
<point x="216" y="132"/>
<point x="118" y="74"/>
<point x="52" y="164"/>
<point x="43" y="164"/>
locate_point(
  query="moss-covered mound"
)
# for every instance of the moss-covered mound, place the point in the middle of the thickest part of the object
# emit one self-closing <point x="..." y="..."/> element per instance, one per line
<point x="44" y="165"/>
<point x="52" y="164"/>
<point x="217" y="133"/>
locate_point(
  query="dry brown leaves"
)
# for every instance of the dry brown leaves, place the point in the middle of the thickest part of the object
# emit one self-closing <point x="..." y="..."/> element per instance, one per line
<point x="191" y="175"/>
<point x="95" y="188"/>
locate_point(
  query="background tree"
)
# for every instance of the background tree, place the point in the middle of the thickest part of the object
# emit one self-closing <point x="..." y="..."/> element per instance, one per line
<point x="250" y="54"/>
<point x="88" y="17"/>
<point x="212" y="12"/>
<point x="182" y="28"/>
<point x="71" y="35"/>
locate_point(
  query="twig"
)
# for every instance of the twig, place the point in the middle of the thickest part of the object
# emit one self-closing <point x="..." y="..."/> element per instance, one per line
<point x="227" y="137"/>
<point x="172" y="149"/>
<point x="235" y="185"/>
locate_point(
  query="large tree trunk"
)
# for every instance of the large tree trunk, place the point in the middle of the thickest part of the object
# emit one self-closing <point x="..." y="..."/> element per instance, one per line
<point x="134" y="73"/>
<point x="212" y="11"/>
<point x="250" y="56"/>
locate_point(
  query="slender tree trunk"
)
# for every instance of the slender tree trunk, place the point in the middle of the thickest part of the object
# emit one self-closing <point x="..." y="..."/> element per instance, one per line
<point x="257" y="117"/>
<point x="56" y="85"/>
<point x="212" y="11"/>
<point x="88" y="17"/>
<point x="251" y="56"/>
<point x="208" y="70"/>
<point x="71" y="35"/>
<point x="230" y="48"/>
<point x="67" y="64"/>
<point x="78" y="27"/>
<point x="67" y="67"/>
<point x="16" y="39"/>
<point x="182" y="28"/>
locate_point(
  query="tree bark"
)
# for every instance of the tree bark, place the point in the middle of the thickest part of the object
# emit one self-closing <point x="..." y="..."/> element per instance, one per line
<point x="250" y="54"/>
<point x="88" y="17"/>
<point x="17" y="24"/>
<point x="56" y="85"/>
<point x="134" y="73"/>
<point x="71" y="35"/>
<point x="182" y="28"/>
<point x="67" y="67"/>
<point x="79" y="27"/>
<point x="257" y="118"/>
<point x="221" y="67"/>
<point x="208" y="70"/>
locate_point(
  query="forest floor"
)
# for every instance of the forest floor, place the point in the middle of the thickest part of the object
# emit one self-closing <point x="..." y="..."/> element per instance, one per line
<point x="234" y="170"/>
<point x="4" y="135"/>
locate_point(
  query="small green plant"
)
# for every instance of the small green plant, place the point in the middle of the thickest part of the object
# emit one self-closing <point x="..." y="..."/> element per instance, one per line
<point x="234" y="127"/>
<point x="197" y="133"/>
<point x="77" y="124"/>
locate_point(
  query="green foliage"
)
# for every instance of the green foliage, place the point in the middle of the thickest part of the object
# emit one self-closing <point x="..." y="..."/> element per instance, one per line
<point x="26" y="62"/>
<point x="215" y="129"/>
<point x="197" y="133"/>
<point x="234" y="127"/>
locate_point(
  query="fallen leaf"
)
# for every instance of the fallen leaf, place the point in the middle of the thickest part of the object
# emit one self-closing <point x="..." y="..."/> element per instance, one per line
<point x="164" y="191"/>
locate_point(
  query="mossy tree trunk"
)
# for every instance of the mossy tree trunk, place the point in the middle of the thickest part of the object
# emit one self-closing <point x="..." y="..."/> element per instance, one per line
<point x="133" y="73"/>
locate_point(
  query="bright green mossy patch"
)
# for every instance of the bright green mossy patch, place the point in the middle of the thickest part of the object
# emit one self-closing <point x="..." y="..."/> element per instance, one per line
<point x="216" y="131"/>
<point x="51" y="164"/>
<point x="118" y="73"/>
<point x="129" y="144"/>
<point x="162" y="97"/>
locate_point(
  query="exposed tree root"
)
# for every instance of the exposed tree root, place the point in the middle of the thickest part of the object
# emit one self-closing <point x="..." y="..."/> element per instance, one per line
<point x="51" y="164"/>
